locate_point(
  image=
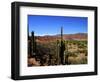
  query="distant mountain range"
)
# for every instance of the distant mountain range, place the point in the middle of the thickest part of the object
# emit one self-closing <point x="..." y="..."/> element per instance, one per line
<point x="77" y="36"/>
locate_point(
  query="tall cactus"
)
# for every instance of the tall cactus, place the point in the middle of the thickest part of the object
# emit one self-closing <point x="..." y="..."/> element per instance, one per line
<point x="57" y="52"/>
<point x="33" y="44"/>
<point x="29" y="42"/>
<point x="62" y="47"/>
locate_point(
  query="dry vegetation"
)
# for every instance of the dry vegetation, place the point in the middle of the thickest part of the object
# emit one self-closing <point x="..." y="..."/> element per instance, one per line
<point x="75" y="53"/>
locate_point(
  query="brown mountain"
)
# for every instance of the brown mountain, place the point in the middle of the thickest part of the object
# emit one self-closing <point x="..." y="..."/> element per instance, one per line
<point x="78" y="36"/>
<point x="47" y="38"/>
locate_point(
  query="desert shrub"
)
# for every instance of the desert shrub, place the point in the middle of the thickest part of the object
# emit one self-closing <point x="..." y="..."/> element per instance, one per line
<point x="47" y="52"/>
<point x="77" y="60"/>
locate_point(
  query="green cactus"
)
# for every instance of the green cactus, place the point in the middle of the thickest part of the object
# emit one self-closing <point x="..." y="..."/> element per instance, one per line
<point x="33" y="44"/>
<point x="57" y="52"/>
<point x="29" y="44"/>
<point x="62" y="48"/>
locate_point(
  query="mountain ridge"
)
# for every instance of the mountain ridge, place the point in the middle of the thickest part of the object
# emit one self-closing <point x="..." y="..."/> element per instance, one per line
<point x="76" y="36"/>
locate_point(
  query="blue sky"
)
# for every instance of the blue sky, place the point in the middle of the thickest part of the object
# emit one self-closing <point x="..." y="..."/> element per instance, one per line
<point x="51" y="25"/>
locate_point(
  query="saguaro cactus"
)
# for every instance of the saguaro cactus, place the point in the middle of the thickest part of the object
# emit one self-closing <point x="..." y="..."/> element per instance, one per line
<point x="33" y="44"/>
<point x="29" y="43"/>
<point x="62" y="47"/>
<point x="57" y="52"/>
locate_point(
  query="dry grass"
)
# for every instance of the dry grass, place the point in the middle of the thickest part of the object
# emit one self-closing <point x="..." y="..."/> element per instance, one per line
<point x="80" y="59"/>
